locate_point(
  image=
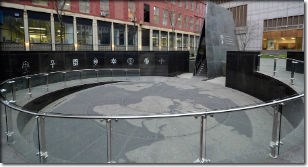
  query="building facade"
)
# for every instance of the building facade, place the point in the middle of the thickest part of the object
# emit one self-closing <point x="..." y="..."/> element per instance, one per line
<point x="268" y="25"/>
<point x="100" y="25"/>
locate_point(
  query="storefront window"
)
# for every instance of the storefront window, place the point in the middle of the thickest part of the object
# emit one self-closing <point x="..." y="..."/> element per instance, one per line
<point x="84" y="32"/>
<point x="179" y="40"/>
<point x="119" y="35"/>
<point x="164" y="39"/>
<point x="67" y="30"/>
<point x="185" y="41"/>
<point x="39" y="31"/>
<point x="283" y="40"/>
<point x="11" y="26"/>
<point x="132" y="35"/>
<point x="104" y="33"/>
<point x="171" y="40"/>
<point x="155" y="38"/>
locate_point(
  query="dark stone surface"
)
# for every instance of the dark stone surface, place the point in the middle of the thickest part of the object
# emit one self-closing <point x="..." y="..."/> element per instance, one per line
<point x="218" y="37"/>
<point x="241" y="75"/>
<point x="300" y="67"/>
<point x="15" y="64"/>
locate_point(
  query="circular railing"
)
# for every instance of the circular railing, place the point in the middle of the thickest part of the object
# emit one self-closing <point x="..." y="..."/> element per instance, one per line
<point x="10" y="101"/>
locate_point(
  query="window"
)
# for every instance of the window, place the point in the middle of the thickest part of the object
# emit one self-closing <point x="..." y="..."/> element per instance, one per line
<point x="283" y="23"/>
<point x="185" y="41"/>
<point x="84" y="32"/>
<point x="131" y="10"/>
<point x="239" y="15"/>
<point x="180" y="20"/>
<point x="172" y="19"/>
<point x="180" y="3"/>
<point x="119" y="34"/>
<point x="132" y="35"/>
<point x="156" y="15"/>
<point x="191" y="24"/>
<point x="84" y="6"/>
<point x="64" y="4"/>
<point x="186" y="22"/>
<point x="155" y="38"/>
<point x="146" y="13"/>
<point x="104" y="6"/>
<point x="164" y="39"/>
<point x="11" y="26"/>
<point x="179" y="40"/>
<point x="186" y="4"/>
<point x="171" y="40"/>
<point x="145" y="37"/>
<point x="104" y="33"/>
<point x="39" y="27"/>
<point x="40" y="2"/>
<point x="192" y="5"/>
<point x="67" y="30"/>
<point x="165" y="17"/>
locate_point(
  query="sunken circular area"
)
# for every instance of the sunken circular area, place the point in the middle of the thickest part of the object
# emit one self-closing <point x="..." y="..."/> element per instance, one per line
<point x="231" y="137"/>
<point x="150" y="96"/>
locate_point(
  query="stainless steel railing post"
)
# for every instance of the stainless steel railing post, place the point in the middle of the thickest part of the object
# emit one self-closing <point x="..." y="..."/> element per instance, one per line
<point x="126" y="74"/>
<point x="202" y="150"/>
<point x="47" y="82"/>
<point x="42" y="149"/>
<point x="29" y="86"/>
<point x="275" y="66"/>
<point x="64" y="78"/>
<point x="97" y="75"/>
<point x="258" y="66"/>
<point x="8" y="121"/>
<point x="109" y="142"/>
<point x="80" y="76"/>
<point x="294" y="63"/>
<point x="275" y="143"/>
<point x="111" y="74"/>
<point x="13" y="91"/>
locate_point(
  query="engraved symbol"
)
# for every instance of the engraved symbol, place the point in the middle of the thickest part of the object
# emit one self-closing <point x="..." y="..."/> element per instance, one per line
<point x="75" y="62"/>
<point x="113" y="61"/>
<point x="25" y="66"/>
<point x="222" y="39"/>
<point x="130" y="61"/>
<point x="95" y="61"/>
<point x="146" y="61"/>
<point x="52" y="63"/>
<point x="161" y="61"/>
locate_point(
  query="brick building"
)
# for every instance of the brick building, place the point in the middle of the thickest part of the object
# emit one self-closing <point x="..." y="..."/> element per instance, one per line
<point x="100" y="25"/>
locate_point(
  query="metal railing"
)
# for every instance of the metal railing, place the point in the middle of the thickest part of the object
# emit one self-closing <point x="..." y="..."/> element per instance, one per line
<point x="10" y="104"/>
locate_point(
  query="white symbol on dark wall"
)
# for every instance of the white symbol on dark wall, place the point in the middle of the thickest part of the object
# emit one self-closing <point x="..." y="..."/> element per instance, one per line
<point x="95" y="61"/>
<point x="146" y="61"/>
<point x="161" y="61"/>
<point x="130" y="61"/>
<point x="75" y="62"/>
<point x="113" y="61"/>
<point x="25" y="66"/>
<point x="52" y="63"/>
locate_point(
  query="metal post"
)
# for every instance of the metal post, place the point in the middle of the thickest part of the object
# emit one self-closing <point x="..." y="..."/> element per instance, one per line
<point x="275" y="143"/>
<point x="258" y="67"/>
<point x="43" y="154"/>
<point x="109" y="148"/>
<point x="202" y="153"/>
<point x="97" y="75"/>
<point x="47" y="82"/>
<point x="111" y="74"/>
<point x="29" y="86"/>
<point x="275" y="66"/>
<point x="13" y="91"/>
<point x="293" y="72"/>
<point x="126" y="74"/>
<point x="9" y="125"/>
<point x="80" y="76"/>
<point x="64" y="78"/>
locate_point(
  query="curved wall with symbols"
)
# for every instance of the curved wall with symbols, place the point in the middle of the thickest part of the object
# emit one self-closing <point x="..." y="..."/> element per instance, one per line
<point x="14" y="64"/>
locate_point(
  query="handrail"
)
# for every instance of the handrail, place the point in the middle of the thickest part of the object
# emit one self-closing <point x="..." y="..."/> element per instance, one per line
<point x="15" y="107"/>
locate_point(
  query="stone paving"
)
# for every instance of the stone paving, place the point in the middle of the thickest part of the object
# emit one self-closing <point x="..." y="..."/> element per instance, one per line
<point x="239" y="137"/>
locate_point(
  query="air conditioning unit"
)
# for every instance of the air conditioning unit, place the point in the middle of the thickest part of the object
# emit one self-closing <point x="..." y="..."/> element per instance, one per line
<point x="104" y="14"/>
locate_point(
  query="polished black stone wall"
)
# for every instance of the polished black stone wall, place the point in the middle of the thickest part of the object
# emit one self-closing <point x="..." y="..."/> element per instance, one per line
<point x="14" y="64"/>
<point x="241" y="75"/>
<point x="298" y="68"/>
